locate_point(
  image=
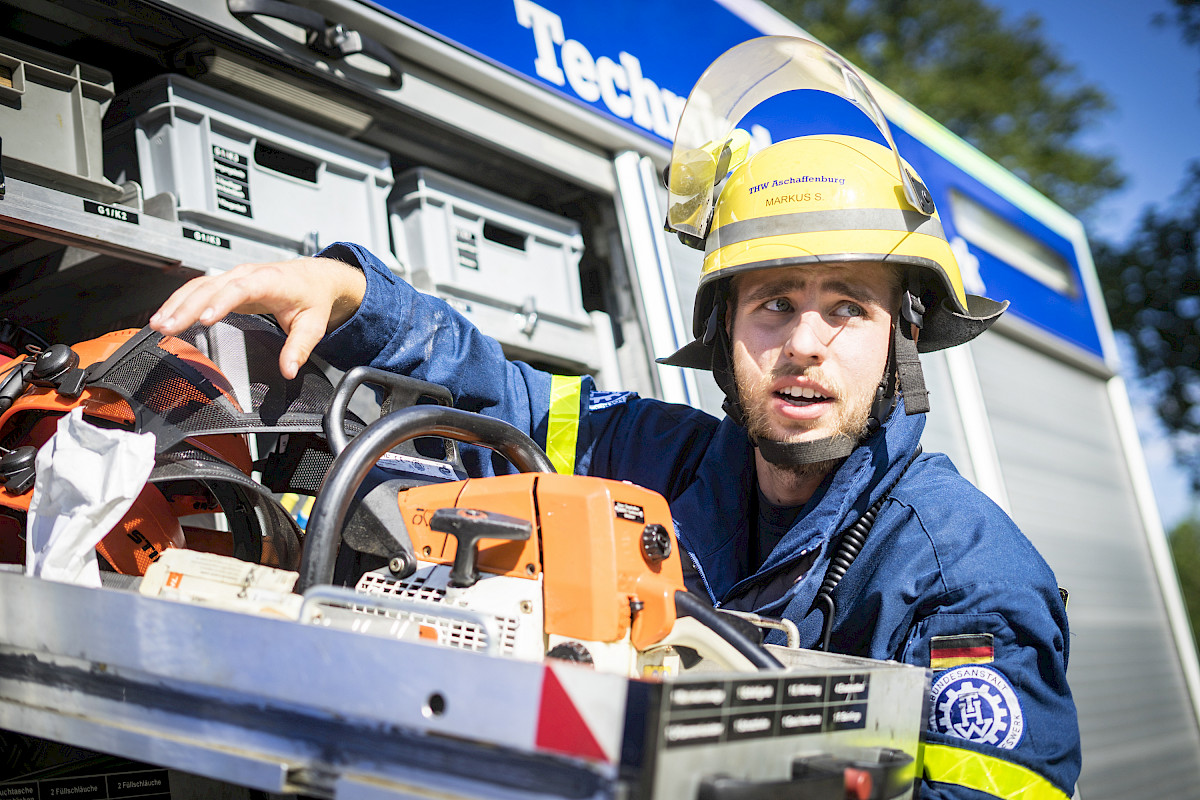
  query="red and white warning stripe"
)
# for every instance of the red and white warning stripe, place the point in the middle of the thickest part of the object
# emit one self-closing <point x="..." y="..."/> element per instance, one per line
<point x="582" y="713"/>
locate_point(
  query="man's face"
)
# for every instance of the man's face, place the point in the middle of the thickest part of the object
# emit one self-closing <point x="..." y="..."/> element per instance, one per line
<point x="809" y="347"/>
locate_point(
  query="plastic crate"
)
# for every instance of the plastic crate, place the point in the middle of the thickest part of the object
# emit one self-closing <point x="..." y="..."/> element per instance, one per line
<point x="51" y="109"/>
<point x="238" y="168"/>
<point x="464" y="242"/>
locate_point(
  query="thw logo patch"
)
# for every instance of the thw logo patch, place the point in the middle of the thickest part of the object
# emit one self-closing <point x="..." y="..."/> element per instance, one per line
<point x="979" y="705"/>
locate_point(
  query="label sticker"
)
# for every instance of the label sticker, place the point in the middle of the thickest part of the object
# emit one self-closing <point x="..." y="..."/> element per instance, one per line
<point x="204" y="237"/>
<point x="804" y="691"/>
<point x="232" y="181"/>
<point x="229" y="156"/>
<point x="697" y="731"/>
<point x="979" y="705"/>
<point x="751" y="726"/>
<point x="847" y="718"/>
<point x="234" y="206"/>
<point x="223" y="170"/>
<point x="698" y="695"/>
<point x="850" y="687"/>
<point x="232" y="188"/>
<point x="801" y="721"/>
<point x="629" y="511"/>
<point x="398" y="462"/>
<point x="112" y="212"/>
<point x="755" y="694"/>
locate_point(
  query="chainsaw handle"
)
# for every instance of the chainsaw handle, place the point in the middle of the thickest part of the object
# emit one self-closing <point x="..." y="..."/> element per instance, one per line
<point x="402" y="391"/>
<point x="346" y="474"/>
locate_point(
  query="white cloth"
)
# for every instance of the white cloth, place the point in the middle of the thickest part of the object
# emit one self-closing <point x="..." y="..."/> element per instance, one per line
<point x="87" y="478"/>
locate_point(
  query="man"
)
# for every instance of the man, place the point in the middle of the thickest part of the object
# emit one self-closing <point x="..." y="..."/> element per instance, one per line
<point x="811" y="499"/>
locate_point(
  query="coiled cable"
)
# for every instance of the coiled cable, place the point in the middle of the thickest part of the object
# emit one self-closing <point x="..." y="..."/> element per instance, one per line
<point x="849" y="546"/>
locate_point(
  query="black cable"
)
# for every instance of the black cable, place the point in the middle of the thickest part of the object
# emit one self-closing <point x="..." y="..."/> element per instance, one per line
<point x="850" y="545"/>
<point x="688" y="605"/>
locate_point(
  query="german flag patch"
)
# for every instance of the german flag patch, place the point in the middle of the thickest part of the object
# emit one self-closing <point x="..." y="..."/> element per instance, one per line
<point x="965" y="648"/>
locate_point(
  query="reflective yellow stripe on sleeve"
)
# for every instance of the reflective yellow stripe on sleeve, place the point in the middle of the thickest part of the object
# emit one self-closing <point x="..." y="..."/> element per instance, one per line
<point x="993" y="776"/>
<point x="562" y="429"/>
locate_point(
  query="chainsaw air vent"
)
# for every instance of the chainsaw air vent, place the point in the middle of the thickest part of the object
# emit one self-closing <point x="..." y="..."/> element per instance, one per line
<point x="432" y="626"/>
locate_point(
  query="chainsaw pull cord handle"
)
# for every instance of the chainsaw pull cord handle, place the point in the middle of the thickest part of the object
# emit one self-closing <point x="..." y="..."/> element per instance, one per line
<point x="351" y="466"/>
<point x="688" y="605"/>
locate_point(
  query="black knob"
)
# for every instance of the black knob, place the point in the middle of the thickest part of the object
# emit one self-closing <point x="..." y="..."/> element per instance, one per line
<point x="53" y="362"/>
<point x="656" y="542"/>
<point x="575" y="652"/>
<point x="402" y="565"/>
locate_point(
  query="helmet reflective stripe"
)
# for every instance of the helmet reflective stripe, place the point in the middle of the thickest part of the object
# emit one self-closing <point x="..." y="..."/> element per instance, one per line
<point x="851" y="219"/>
<point x="828" y="196"/>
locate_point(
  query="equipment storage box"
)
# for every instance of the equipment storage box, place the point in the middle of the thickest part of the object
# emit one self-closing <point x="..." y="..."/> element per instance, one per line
<point x="50" y="121"/>
<point x="511" y="268"/>
<point x="234" y="167"/>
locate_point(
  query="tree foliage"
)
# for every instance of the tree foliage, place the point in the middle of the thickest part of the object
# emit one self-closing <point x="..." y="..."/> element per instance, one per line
<point x="1185" y="551"/>
<point x="1185" y="14"/>
<point x="1152" y="289"/>
<point x="1000" y="86"/>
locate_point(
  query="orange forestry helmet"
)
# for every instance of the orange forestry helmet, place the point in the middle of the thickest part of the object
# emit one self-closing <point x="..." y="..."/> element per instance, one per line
<point x="200" y="493"/>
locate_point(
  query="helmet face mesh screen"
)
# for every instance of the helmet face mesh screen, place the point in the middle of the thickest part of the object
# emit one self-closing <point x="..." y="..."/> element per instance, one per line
<point x="220" y="380"/>
<point x="246" y="349"/>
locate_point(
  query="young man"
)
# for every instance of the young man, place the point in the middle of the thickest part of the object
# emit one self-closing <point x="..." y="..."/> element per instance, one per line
<point x="811" y="499"/>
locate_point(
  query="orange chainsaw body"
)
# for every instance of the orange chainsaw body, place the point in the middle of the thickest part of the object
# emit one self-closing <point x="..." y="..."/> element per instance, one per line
<point x="586" y="546"/>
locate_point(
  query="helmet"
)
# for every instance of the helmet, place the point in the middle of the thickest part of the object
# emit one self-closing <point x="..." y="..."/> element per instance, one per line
<point x="832" y="198"/>
<point x="139" y="380"/>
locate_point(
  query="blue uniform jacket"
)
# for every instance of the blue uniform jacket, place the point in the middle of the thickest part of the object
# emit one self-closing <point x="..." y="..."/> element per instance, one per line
<point x="945" y="580"/>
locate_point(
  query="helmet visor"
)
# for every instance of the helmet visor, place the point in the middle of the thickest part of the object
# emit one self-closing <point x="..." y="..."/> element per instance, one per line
<point x="741" y="79"/>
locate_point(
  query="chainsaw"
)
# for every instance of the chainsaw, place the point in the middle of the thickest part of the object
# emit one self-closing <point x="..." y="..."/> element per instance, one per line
<point x="533" y="565"/>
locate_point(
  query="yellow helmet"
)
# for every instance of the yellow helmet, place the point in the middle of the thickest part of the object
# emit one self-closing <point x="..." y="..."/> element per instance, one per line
<point x="809" y="200"/>
<point x="836" y="198"/>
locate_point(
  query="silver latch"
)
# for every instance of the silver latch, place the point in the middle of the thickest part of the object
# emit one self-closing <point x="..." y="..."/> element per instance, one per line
<point x="530" y="315"/>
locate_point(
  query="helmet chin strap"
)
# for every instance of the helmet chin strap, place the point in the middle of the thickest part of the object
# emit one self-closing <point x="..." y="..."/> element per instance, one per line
<point x="901" y="375"/>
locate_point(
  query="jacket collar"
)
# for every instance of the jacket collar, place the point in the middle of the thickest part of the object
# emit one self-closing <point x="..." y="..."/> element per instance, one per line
<point x="866" y="475"/>
<point x="714" y="515"/>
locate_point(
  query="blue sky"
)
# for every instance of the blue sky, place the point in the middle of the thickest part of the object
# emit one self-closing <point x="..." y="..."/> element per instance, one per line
<point x="1153" y="80"/>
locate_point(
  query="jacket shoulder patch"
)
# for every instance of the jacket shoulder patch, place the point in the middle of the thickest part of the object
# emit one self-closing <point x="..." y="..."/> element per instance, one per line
<point x="977" y="704"/>
<point x="964" y="648"/>
<point x="598" y="401"/>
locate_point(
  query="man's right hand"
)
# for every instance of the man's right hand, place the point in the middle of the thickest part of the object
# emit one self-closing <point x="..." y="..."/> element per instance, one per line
<point x="309" y="297"/>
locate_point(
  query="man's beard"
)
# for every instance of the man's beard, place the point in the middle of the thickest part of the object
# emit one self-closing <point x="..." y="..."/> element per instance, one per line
<point x="848" y="417"/>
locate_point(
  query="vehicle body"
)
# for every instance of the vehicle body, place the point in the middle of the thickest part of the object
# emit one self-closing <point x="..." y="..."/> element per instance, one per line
<point x="484" y="139"/>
